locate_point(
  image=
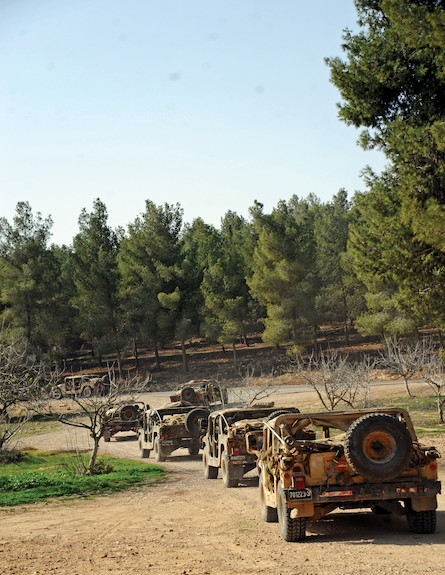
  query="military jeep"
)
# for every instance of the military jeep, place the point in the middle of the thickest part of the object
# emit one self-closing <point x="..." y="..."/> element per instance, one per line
<point x="122" y="418"/>
<point x="83" y="385"/>
<point x="224" y="444"/>
<point x="356" y="459"/>
<point x="166" y="429"/>
<point x="200" y="392"/>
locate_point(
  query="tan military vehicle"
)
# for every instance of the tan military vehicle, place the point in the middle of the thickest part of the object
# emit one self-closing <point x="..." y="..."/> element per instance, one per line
<point x="167" y="429"/>
<point x="83" y="385"/>
<point x="224" y="444"/>
<point x="356" y="459"/>
<point x="123" y="418"/>
<point x="200" y="392"/>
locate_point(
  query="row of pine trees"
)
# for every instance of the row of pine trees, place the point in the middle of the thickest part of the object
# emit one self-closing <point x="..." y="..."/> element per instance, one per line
<point x="377" y="261"/>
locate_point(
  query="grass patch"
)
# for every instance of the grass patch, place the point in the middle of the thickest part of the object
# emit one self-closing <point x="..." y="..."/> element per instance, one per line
<point x="422" y="410"/>
<point x="42" y="475"/>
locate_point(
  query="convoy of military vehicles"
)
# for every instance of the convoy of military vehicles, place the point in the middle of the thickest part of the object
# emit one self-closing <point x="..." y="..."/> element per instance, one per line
<point x="309" y="464"/>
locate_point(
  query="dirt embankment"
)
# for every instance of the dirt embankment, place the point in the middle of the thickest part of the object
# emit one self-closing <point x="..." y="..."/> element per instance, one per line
<point x="190" y="525"/>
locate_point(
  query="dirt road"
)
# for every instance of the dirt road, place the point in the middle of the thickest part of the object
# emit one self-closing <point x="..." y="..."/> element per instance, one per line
<point x="190" y="525"/>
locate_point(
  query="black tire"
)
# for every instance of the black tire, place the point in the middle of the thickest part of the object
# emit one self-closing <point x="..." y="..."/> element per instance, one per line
<point x="107" y="438"/>
<point x="159" y="454"/>
<point x="145" y="453"/>
<point x="420" y="521"/>
<point x="230" y="475"/>
<point x="192" y="420"/>
<point x="57" y="393"/>
<point x="290" y="529"/>
<point x="210" y="472"/>
<point x="187" y="394"/>
<point x="129" y="413"/>
<point x="378" y="446"/>
<point x="268" y="514"/>
<point x="194" y="448"/>
<point x="87" y="392"/>
<point x="278" y="412"/>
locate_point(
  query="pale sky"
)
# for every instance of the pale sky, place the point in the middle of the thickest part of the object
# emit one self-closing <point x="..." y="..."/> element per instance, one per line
<point x="209" y="103"/>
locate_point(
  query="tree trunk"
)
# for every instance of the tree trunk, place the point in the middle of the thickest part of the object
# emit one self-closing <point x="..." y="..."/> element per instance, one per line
<point x="439" y="331"/>
<point x="94" y="453"/>
<point x="184" y="356"/>
<point x="235" y="358"/>
<point x="345" y="312"/>
<point x="158" y="361"/>
<point x="440" y="403"/>
<point x="408" y="391"/>
<point x="315" y="339"/>
<point x="294" y="325"/>
<point x="136" y="352"/>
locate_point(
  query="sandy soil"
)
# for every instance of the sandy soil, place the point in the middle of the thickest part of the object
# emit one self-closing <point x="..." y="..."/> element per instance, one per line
<point x="190" y="525"/>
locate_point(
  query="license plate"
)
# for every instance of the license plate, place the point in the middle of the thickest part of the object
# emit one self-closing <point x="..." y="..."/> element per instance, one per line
<point x="299" y="494"/>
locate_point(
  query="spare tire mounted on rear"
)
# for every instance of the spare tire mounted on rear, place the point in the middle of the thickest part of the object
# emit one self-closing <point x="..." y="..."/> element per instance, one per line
<point x="129" y="412"/>
<point x="378" y="446"/>
<point x="193" y="418"/>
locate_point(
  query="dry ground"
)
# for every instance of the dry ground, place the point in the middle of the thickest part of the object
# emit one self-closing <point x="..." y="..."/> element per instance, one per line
<point x="190" y="525"/>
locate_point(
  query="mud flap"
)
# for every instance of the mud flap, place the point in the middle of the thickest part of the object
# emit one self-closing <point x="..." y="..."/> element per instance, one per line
<point x="424" y="503"/>
<point x="301" y="510"/>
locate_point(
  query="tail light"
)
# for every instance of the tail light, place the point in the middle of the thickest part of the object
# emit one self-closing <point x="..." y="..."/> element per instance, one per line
<point x="231" y="450"/>
<point x="165" y="436"/>
<point x="299" y="482"/>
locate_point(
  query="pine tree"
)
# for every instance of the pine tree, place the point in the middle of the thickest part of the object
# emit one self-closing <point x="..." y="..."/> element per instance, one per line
<point x="96" y="277"/>
<point x="284" y="277"/>
<point x="392" y="84"/>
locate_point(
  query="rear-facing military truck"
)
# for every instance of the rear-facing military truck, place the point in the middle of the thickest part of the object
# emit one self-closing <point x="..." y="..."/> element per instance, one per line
<point x="200" y="392"/>
<point x="167" y="429"/>
<point x="123" y="418"/>
<point x="356" y="459"/>
<point x="224" y="443"/>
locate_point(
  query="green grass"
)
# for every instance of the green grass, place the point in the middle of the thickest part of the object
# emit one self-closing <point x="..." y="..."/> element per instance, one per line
<point x="422" y="410"/>
<point x="42" y="475"/>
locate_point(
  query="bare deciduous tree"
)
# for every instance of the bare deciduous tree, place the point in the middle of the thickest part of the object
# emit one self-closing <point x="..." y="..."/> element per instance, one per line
<point x="335" y="380"/>
<point x="404" y="359"/>
<point x="94" y="408"/>
<point x="250" y="390"/>
<point x="433" y="373"/>
<point x="23" y="377"/>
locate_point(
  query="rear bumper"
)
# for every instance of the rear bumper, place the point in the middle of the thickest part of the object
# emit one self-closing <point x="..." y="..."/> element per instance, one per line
<point x="115" y="427"/>
<point x="366" y="492"/>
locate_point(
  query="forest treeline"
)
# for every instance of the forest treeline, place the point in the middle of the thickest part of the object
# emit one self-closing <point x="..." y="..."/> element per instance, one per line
<point x="376" y="260"/>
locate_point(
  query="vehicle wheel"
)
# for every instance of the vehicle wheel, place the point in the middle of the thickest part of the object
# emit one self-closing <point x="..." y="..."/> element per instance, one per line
<point x="145" y="453"/>
<point x="194" y="447"/>
<point x="187" y="394"/>
<point x="210" y="472"/>
<point x="56" y="393"/>
<point x="86" y="392"/>
<point x="278" y="412"/>
<point x="230" y="475"/>
<point x="269" y="514"/>
<point x="107" y="438"/>
<point x="129" y="412"/>
<point x="378" y="446"/>
<point x="420" y="521"/>
<point x="159" y="455"/>
<point x="290" y="529"/>
<point x="193" y="418"/>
